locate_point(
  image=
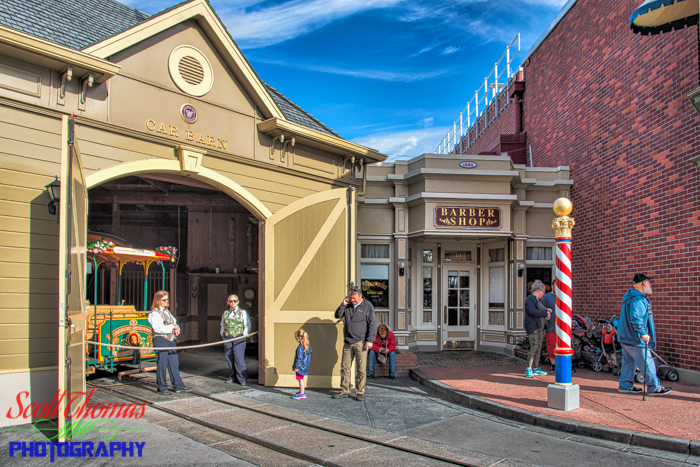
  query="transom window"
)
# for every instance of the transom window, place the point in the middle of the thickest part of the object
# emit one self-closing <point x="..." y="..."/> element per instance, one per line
<point x="457" y="256"/>
<point x="374" y="251"/>
<point x="539" y="253"/>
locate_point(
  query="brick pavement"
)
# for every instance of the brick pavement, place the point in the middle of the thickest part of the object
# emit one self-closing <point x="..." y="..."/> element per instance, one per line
<point x="465" y="358"/>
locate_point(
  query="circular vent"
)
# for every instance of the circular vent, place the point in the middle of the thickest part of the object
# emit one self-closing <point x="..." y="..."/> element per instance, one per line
<point x="190" y="70"/>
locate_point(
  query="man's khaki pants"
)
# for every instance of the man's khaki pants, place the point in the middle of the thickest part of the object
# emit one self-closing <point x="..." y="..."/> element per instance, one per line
<point x="358" y="352"/>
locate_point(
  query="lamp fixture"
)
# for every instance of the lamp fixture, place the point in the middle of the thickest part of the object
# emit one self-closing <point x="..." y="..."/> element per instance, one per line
<point x="695" y="99"/>
<point x="54" y="191"/>
<point x="521" y="268"/>
<point x="402" y="266"/>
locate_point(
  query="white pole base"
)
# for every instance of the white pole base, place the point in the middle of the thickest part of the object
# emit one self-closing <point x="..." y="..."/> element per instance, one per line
<point x="564" y="398"/>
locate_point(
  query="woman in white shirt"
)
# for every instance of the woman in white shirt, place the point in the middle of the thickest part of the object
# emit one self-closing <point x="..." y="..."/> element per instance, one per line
<point x="165" y="330"/>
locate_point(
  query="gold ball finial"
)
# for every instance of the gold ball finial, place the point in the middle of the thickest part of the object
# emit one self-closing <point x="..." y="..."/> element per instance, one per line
<point x="562" y="207"/>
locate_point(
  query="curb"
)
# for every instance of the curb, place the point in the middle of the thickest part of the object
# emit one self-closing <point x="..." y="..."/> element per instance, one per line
<point x="633" y="438"/>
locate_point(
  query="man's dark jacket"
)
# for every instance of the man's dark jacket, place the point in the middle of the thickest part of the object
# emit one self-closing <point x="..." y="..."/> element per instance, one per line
<point x="360" y="322"/>
<point x="549" y="301"/>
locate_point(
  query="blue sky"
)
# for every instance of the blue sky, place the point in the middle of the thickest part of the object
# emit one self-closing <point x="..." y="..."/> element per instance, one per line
<point x="388" y="74"/>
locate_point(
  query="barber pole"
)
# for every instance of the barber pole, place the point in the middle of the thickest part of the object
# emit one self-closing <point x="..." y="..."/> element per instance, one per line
<point x="563" y="226"/>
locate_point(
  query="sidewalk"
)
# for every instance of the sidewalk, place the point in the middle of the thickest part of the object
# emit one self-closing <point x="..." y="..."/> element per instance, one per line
<point x="499" y="378"/>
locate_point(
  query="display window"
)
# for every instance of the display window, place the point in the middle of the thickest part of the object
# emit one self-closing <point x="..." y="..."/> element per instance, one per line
<point x="375" y="284"/>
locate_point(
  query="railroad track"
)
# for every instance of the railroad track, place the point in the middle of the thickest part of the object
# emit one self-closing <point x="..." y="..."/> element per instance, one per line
<point x="304" y="441"/>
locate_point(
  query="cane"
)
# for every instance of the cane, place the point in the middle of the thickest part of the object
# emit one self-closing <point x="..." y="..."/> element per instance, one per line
<point x="644" y="388"/>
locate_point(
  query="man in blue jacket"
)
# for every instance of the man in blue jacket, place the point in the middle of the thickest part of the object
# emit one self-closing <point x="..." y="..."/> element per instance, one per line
<point x="635" y="333"/>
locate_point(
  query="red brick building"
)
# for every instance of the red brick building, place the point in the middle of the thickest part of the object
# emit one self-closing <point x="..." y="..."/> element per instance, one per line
<point x="613" y="106"/>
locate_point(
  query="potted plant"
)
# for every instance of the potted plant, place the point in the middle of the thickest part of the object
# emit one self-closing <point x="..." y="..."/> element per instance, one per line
<point x="522" y="348"/>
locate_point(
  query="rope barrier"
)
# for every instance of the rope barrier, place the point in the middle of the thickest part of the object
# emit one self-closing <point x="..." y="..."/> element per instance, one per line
<point x="171" y="348"/>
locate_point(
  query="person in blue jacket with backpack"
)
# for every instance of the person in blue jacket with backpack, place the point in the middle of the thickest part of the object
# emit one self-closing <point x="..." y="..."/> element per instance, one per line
<point x="636" y="334"/>
<point x="302" y="359"/>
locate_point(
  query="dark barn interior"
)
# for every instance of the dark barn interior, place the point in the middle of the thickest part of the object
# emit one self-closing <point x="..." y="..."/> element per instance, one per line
<point x="215" y="236"/>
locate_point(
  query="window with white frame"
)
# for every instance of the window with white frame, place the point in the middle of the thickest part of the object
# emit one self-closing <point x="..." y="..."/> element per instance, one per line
<point x="427" y="289"/>
<point x="374" y="275"/>
<point x="497" y="286"/>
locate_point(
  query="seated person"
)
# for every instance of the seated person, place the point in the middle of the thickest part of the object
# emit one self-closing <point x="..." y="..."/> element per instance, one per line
<point x="384" y="344"/>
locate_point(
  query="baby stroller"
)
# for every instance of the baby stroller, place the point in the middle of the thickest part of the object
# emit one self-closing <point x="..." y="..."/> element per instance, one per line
<point x="610" y="347"/>
<point x="663" y="369"/>
<point x="586" y="344"/>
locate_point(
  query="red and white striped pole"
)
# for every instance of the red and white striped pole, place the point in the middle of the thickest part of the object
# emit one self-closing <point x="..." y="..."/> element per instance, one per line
<point x="563" y="226"/>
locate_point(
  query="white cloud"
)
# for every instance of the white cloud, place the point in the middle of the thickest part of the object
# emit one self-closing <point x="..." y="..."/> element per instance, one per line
<point x="450" y="50"/>
<point x="405" y="76"/>
<point x="278" y="23"/>
<point x="403" y="144"/>
<point x="423" y="50"/>
<point x="427" y="122"/>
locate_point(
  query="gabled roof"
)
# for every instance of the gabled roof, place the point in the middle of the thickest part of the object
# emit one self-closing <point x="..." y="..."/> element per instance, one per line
<point x="74" y="24"/>
<point x="296" y="114"/>
<point x="102" y="28"/>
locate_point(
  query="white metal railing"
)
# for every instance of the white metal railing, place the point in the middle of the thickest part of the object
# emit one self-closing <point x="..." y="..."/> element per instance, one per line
<point x="495" y="84"/>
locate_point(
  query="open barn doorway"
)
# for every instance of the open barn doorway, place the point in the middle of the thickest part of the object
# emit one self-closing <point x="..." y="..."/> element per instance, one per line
<point x="215" y="236"/>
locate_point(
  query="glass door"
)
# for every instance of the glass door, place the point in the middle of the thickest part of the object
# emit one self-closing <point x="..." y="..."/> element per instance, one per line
<point x="458" y="307"/>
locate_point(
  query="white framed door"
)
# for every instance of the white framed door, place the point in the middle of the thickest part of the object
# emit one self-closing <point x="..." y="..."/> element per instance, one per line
<point x="459" y="306"/>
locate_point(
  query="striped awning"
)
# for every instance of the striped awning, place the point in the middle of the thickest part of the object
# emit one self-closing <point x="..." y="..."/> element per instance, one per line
<point x="657" y="16"/>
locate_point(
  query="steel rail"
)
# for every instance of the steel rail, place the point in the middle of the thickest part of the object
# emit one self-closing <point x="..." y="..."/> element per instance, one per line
<point x="268" y="445"/>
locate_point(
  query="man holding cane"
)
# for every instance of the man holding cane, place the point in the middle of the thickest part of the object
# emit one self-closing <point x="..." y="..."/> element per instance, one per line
<point x="359" y="332"/>
<point x="636" y="334"/>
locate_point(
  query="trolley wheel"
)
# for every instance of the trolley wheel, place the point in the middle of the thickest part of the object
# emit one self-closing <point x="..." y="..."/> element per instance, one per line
<point x="616" y="371"/>
<point x="581" y="364"/>
<point x="639" y="378"/>
<point x="607" y="369"/>
<point x="597" y="366"/>
<point x="672" y="376"/>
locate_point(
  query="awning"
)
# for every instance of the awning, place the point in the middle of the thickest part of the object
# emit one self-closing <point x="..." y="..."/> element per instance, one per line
<point x="124" y="254"/>
<point x="657" y="16"/>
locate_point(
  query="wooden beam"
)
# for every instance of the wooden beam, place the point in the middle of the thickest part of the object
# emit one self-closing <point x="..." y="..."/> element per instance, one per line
<point x="173" y="199"/>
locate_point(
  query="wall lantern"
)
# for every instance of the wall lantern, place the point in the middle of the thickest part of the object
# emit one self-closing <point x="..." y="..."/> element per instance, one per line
<point x="695" y="99"/>
<point x="54" y="191"/>
<point x="402" y="266"/>
<point x="521" y="268"/>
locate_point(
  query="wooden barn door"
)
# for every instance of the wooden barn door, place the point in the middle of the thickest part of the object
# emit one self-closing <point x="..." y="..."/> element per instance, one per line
<point x="309" y="259"/>
<point x="71" y="289"/>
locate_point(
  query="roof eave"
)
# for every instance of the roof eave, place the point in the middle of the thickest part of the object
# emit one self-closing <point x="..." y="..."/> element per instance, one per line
<point x="277" y="126"/>
<point x="58" y="56"/>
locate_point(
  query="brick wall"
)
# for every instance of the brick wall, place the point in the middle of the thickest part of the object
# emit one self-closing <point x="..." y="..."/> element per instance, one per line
<point x="405" y="361"/>
<point x="503" y="123"/>
<point x="613" y="106"/>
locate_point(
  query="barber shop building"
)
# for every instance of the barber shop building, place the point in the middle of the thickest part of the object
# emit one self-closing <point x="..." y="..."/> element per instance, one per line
<point x="448" y="243"/>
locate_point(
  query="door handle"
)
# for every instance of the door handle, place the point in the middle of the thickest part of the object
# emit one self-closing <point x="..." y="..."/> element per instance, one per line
<point x="445" y="320"/>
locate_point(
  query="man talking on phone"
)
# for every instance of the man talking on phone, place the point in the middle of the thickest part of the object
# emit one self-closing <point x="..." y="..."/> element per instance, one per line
<point x="359" y="332"/>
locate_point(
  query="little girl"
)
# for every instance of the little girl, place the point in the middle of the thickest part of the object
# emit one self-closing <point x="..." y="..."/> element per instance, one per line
<point x="301" y="361"/>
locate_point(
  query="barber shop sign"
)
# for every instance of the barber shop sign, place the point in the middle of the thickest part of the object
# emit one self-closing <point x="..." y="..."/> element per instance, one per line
<point x="467" y="217"/>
